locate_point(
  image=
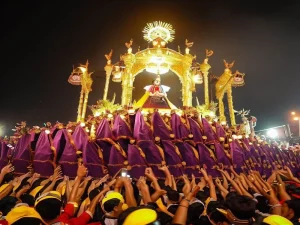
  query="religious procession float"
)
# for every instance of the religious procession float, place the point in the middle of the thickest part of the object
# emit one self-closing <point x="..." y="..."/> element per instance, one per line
<point x="149" y="132"/>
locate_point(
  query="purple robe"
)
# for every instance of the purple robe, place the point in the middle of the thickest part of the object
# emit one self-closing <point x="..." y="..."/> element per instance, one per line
<point x="117" y="159"/>
<point x="68" y="159"/>
<point x="104" y="138"/>
<point x="93" y="160"/>
<point x="122" y="132"/>
<point x="172" y="155"/>
<point x="208" y="131"/>
<point x="3" y="154"/>
<point x="189" y="154"/>
<point x="44" y="160"/>
<point x="22" y="155"/>
<point x="137" y="161"/>
<point x="144" y="136"/>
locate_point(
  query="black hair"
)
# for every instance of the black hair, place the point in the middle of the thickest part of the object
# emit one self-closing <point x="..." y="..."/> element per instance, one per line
<point x="262" y="204"/>
<point x="202" y="196"/>
<point x="28" y="199"/>
<point x="214" y="214"/>
<point x="180" y="185"/>
<point x="173" y="195"/>
<point x="242" y="207"/>
<point x="28" y="220"/>
<point x="7" y="203"/>
<point x="7" y="177"/>
<point x="173" y="208"/>
<point x="49" y="209"/>
<point x="295" y="206"/>
<point x="194" y="211"/>
<point x="111" y="204"/>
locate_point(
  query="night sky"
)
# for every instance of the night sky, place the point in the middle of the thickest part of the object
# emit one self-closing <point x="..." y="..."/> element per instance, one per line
<point x="40" y="42"/>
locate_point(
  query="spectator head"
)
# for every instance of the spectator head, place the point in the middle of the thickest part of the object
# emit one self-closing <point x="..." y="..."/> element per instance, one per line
<point x="6" y="204"/>
<point x="49" y="205"/>
<point x="194" y="211"/>
<point x="241" y="207"/>
<point x="173" y="196"/>
<point x="215" y="215"/>
<point x="24" y="215"/>
<point x="137" y="215"/>
<point x="114" y="203"/>
<point x="291" y="209"/>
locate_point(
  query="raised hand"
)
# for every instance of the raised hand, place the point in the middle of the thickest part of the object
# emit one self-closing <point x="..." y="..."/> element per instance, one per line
<point x="82" y="171"/>
<point x="7" y="169"/>
<point x="149" y="174"/>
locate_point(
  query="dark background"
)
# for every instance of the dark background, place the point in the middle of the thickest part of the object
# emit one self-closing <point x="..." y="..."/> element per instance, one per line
<point x="41" y="41"/>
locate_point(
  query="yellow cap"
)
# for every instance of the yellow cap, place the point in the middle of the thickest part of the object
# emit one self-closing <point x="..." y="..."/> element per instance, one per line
<point x="277" y="220"/>
<point x="35" y="191"/>
<point x="48" y="195"/>
<point x="160" y="205"/>
<point x="3" y="187"/>
<point x="141" y="217"/>
<point x="20" y="212"/>
<point x="111" y="195"/>
<point x="61" y="189"/>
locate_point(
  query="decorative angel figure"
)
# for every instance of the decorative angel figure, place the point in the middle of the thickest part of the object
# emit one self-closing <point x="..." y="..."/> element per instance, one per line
<point x="128" y="45"/>
<point x="108" y="57"/>
<point x="228" y="65"/>
<point x="188" y="46"/>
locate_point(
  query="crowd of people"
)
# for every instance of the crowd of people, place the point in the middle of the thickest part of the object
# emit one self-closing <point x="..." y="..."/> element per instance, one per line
<point x="147" y="169"/>
<point x="231" y="199"/>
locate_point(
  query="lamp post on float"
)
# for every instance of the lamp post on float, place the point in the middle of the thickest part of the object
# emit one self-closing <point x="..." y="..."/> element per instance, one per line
<point x="296" y="118"/>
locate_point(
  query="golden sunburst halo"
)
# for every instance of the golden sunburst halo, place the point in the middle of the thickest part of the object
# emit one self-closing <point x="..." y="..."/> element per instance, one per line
<point x="159" y="29"/>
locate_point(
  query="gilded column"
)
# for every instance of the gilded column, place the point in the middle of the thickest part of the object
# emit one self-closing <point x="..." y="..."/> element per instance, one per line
<point x="204" y="67"/>
<point x="108" y="69"/>
<point x="230" y="106"/>
<point x="79" y="111"/>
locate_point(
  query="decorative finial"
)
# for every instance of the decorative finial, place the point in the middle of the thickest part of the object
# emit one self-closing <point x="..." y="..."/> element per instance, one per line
<point x="108" y="57"/>
<point x="159" y="29"/>
<point x="128" y="45"/>
<point x="188" y="46"/>
<point x="208" y="53"/>
<point x="228" y="65"/>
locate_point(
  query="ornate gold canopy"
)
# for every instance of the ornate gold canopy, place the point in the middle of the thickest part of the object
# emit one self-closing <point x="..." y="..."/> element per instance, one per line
<point x="159" y="59"/>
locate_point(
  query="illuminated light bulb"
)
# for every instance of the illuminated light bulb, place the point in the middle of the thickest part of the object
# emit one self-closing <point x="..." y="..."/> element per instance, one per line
<point x="239" y="136"/>
<point x="131" y="111"/>
<point x="82" y="124"/>
<point x="296" y="118"/>
<point x="211" y="114"/>
<point x="87" y="129"/>
<point x="109" y="116"/>
<point x="272" y="133"/>
<point x="97" y="114"/>
<point x="47" y="131"/>
<point x="122" y="116"/>
<point x="293" y="113"/>
<point x="223" y="123"/>
<point x="70" y="131"/>
<point x="234" y="136"/>
<point x="247" y="136"/>
<point x="83" y="69"/>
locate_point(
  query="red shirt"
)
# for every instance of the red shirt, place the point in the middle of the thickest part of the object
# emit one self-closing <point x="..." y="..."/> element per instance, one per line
<point x="67" y="216"/>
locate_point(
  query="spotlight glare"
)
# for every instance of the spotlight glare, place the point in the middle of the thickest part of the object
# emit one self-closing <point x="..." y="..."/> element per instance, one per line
<point x="272" y="133"/>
